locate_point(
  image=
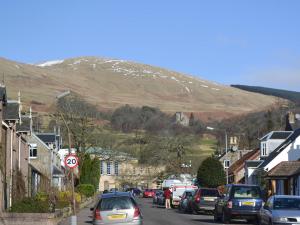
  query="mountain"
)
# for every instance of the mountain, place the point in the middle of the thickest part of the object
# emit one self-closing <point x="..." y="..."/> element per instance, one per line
<point x="293" y="96"/>
<point x="110" y="83"/>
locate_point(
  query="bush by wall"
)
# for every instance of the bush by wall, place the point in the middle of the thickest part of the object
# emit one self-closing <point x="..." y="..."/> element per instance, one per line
<point x="87" y="190"/>
<point x="30" y="205"/>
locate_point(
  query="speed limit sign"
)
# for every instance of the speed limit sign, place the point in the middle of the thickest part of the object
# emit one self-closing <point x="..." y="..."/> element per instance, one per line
<point x="71" y="161"/>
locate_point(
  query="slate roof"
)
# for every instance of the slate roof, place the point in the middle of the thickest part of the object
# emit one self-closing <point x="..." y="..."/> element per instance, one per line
<point x="281" y="147"/>
<point x="47" y="137"/>
<point x="280" y="135"/>
<point x="56" y="171"/>
<point x="253" y="163"/>
<point x="239" y="164"/>
<point x="11" y="111"/>
<point x="285" y="169"/>
<point x="276" y="135"/>
<point x="25" y="125"/>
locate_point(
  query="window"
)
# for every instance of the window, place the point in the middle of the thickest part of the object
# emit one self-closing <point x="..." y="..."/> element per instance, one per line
<point x="117" y="168"/>
<point x="264" y="149"/>
<point x="108" y="168"/>
<point x="246" y="192"/>
<point x="226" y="163"/>
<point x="32" y="151"/>
<point x="101" y="168"/>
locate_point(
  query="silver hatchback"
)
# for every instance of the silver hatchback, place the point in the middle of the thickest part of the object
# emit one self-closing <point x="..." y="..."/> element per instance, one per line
<point x="117" y="208"/>
<point x="281" y="210"/>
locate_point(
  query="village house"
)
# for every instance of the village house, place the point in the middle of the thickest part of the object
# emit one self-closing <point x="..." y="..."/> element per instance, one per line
<point x="287" y="151"/>
<point x="45" y="164"/>
<point x="14" y="153"/>
<point x="236" y="172"/>
<point x="284" y="179"/>
<point x="119" y="170"/>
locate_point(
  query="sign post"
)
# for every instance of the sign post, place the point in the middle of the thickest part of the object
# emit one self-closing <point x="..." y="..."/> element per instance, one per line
<point x="71" y="161"/>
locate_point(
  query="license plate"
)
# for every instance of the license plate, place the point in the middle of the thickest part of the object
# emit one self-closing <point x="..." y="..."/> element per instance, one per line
<point x="209" y="199"/>
<point x="117" y="217"/>
<point x="248" y="203"/>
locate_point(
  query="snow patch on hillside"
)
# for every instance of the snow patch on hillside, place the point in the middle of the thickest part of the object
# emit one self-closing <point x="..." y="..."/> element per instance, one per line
<point x="50" y="63"/>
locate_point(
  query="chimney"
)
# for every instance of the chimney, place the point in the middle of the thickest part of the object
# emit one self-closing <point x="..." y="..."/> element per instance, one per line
<point x="291" y="118"/>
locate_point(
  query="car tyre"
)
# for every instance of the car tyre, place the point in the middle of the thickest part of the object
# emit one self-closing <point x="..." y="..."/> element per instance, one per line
<point x="216" y="216"/>
<point x="225" y="218"/>
<point x="270" y="222"/>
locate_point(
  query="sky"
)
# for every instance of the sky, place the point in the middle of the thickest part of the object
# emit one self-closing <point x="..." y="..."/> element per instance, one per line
<point x="251" y="42"/>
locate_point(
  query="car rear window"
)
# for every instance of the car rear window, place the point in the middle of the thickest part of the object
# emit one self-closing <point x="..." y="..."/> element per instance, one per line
<point x="246" y="192"/>
<point x="209" y="192"/>
<point x="117" y="203"/>
<point x="189" y="194"/>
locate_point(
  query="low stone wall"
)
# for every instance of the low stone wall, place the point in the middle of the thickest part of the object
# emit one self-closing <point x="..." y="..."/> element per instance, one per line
<point x="29" y="218"/>
<point x="39" y="218"/>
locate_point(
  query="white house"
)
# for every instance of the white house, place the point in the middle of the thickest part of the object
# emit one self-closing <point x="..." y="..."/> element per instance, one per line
<point x="288" y="150"/>
<point x="271" y="141"/>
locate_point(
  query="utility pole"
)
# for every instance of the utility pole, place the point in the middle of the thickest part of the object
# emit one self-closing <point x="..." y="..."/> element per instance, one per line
<point x="73" y="218"/>
<point x="226" y="146"/>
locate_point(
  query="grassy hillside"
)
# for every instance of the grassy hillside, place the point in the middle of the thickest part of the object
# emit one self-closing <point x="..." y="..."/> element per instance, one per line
<point x="110" y="83"/>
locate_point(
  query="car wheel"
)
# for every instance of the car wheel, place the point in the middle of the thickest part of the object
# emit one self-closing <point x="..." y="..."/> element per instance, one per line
<point x="216" y="216"/>
<point x="270" y="222"/>
<point x="225" y="218"/>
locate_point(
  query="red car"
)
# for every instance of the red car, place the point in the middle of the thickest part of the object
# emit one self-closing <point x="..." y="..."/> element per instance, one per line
<point x="148" y="193"/>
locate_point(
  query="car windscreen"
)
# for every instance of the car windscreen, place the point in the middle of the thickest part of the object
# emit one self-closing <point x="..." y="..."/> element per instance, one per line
<point x="286" y="203"/>
<point x="246" y="192"/>
<point x="209" y="193"/>
<point x="117" y="203"/>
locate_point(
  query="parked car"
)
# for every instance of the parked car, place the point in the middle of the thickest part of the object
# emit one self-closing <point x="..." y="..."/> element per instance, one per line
<point x="117" y="208"/>
<point x="134" y="191"/>
<point x="161" y="199"/>
<point x="281" y="209"/>
<point x="240" y="201"/>
<point x="186" y="201"/>
<point x="148" y="193"/>
<point x="158" y="194"/>
<point x="204" y="200"/>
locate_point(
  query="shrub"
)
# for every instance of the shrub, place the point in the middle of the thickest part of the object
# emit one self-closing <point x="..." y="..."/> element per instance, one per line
<point x="211" y="173"/>
<point x="67" y="196"/>
<point x="87" y="190"/>
<point x="30" y="205"/>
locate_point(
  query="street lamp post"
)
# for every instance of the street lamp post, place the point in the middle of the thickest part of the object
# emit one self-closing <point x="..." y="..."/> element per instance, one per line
<point x="226" y="156"/>
<point x="226" y="160"/>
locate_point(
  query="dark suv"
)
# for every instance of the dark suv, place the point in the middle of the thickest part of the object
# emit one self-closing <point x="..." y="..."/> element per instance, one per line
<point x="240" y="201"/>
<point x="204" y="200"/>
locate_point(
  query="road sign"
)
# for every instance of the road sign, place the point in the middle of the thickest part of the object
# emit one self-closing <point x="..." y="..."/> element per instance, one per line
<point x="71" y="161"/>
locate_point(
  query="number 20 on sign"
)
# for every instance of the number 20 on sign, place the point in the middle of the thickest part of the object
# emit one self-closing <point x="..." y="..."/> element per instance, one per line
<point x="71" y="161"/>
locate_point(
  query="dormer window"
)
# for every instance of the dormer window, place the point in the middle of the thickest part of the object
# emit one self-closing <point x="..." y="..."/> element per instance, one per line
<point x="32" y="151"/>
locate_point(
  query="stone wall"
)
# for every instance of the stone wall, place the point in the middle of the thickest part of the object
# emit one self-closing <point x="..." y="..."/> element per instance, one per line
<point x="29" y="219"/>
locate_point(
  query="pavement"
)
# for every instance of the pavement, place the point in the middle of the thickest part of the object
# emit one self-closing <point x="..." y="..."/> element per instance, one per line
<point x="156" y="215"/>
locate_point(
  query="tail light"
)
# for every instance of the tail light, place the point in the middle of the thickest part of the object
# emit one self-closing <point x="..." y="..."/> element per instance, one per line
<point x="97" y="215"/>
<point x="197" y="197"/>
<point x="229" y="205"/>
<point x="137" y="213"/>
